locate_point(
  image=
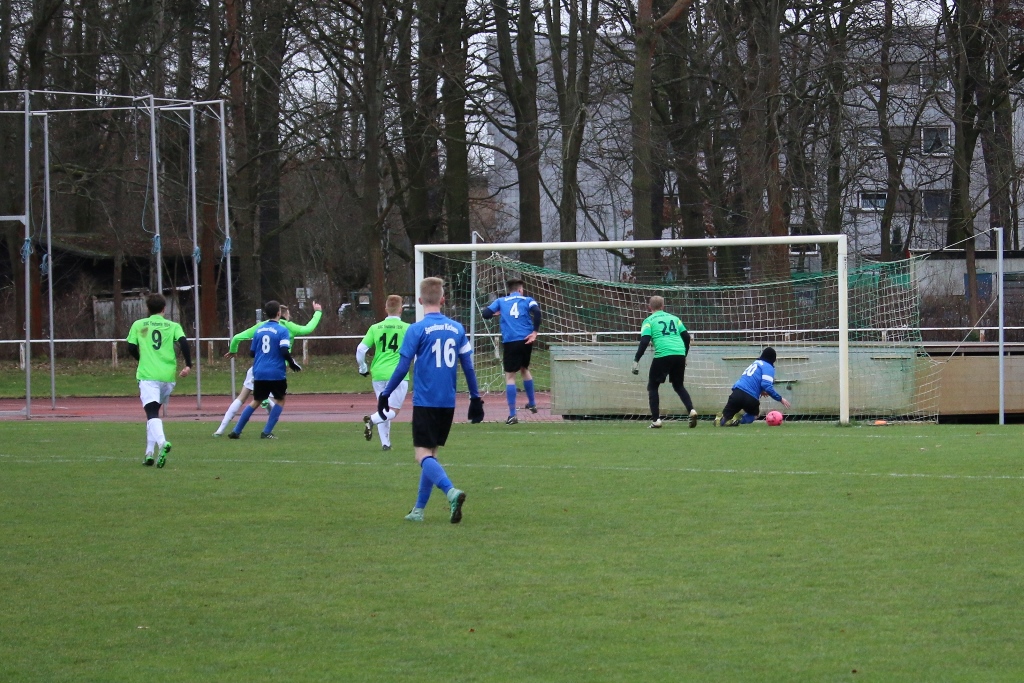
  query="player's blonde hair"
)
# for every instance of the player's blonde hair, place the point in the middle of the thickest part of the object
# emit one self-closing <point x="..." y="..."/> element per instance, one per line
<point x="432" y="291"/>
<point x="656" y="302"/>
<point x="393" y="304"/>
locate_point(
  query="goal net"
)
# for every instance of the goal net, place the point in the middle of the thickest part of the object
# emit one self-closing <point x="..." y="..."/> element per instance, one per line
<point x="590" y="332"/>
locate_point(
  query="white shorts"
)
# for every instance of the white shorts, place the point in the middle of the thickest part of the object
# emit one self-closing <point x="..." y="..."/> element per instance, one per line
<point x="247" y="384"/>
<point x="151" y="391"/>
<point x="398" y="397"/>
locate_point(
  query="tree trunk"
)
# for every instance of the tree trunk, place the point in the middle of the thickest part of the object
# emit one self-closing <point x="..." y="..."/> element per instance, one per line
<point x="268" y="53"/>
<point x="521" y="90"/>
<point x="246" y="230"/>
<point x="209" y="325"/>
<point x="453" y="104"/>
<point x="373" y="82"/>
<point x="418" y="103"/>
<point x="640" y="118"/>
<point x="572" y="86"/>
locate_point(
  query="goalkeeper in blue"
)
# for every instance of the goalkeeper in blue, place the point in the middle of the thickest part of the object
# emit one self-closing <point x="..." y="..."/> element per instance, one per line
<point x="434" y="343"/>
<point x="756" y="381"/>
<point x="519" y="317"/>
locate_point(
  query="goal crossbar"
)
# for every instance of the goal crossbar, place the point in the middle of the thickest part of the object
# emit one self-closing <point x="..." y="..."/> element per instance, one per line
<point x="841" y="266"/>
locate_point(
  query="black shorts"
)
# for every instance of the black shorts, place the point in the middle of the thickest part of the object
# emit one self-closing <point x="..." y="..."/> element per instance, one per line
<point x="430" y="426"/>
<point x="262" y="389"/>
<point x="516" y="356"/>
<point x="673" y="367"/>
<point x="741" y="400"/>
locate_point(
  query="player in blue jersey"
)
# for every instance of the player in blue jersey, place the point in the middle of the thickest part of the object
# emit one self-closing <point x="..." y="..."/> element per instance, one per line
<point x="757" y="380"/>
<point x="271" y="349"/>
<point x="434" y="343"/>
<point x="520" y="318"/>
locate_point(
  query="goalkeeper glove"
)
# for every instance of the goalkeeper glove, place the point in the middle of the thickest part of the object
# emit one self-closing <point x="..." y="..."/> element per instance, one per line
<point x="476" y="410"/>
<point x="294" y="366"/>
<point x="636" y="368"/>
<point x="364" y="370"/>
<point x="382" y="405"/>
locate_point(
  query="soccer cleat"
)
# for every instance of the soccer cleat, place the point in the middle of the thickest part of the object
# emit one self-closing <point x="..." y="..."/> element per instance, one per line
<point x="162" y="460"/>
<point x="367" y="428"/>
<point x="693" y="418"/>
<point x="148" y="462"/>
<point x="234" y="435"/>
<point x="415" y="515"/>
<point x="265" y="404"/>
<point x="456" y="499"/>
<point x="264" y="435"/>
<point x="656" y="424"/>
<point x="718" y="421"/>
<point x="734" y="421"/>
<point x="532" y="407"/>
<point x="385" y="448"/>
<point x="218" y="433"/>
<point x="512" y="420"/>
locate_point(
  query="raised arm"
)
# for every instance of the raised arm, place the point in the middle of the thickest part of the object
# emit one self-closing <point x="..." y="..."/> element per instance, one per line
<point x="307" y="329"/>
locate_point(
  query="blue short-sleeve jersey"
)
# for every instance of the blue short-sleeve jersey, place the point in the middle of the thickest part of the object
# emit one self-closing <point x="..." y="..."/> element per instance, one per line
<point x="516" y="321"/>
<point x="269" y="344"/>
<point x="435" y="344"/>
<point x="757" y="378"/>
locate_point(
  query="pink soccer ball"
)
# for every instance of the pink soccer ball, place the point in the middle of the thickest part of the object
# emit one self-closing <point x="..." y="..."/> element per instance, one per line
<point x="774" y="418"/>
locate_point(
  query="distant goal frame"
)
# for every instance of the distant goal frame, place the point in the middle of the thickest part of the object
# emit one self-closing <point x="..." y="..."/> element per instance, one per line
<point x="842" y="274"/>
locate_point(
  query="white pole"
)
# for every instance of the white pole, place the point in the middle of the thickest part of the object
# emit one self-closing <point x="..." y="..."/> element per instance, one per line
<point x="27" y="256"/>
<point x="49" y="254"/>
<point x="195" y="248"/>
<point x="154" y="154"/>
<point x="1002" y="328"/>
<point x="633" y="244"/>
<point x="418" y="271"/>
<point x="844" y="332"/>
<point x="472" y="297"/>
<point x="227" y="229"/>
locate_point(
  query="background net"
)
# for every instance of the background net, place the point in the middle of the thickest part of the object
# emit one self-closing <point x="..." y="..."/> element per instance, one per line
<point x="591" y="329"/>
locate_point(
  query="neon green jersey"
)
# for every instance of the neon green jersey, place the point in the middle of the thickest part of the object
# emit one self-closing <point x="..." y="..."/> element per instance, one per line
<point x="156" y="336"/>
<point x="294" y="329"/>
<point x="385" y="338"/>
<point x="664" y="329"/>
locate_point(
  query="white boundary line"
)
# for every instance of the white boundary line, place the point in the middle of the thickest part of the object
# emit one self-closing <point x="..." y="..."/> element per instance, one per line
<point x="46" y="460"/>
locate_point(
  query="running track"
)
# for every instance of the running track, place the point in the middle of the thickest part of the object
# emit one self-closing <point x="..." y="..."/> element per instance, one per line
<point x="299" y="408"/>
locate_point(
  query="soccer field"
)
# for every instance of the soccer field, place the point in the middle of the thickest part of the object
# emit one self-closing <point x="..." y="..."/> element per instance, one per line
<point x="589" y="551"/>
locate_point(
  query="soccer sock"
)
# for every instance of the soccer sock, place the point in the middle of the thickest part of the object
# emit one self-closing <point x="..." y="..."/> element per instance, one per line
<point x="157" y="427"/>
<point x="426" y="486"/>
<point x="685" y="396"/>
<point x="375" y="417"/>
<point x="433" y="471"/>
<point x="510" y="396"/>
<point x="150" y="441"/>
<point x="275" y="414"/>
<point x="528" y="388"/>
<point x="384" y="429"/>
<point x="231" y="412"/>
<point x="243" y="419"/>
<point x="655" y="401"/>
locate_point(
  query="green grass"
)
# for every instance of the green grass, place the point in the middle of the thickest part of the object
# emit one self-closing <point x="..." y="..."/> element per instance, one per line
<point x="324" y="374"/>
<point x="590" y="551"/>
<point x="321" y="375"/>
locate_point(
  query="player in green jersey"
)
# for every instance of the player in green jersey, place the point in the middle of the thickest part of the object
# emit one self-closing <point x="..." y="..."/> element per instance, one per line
<point x="385" y="338"/>
<point x="671" y="344"/>
<point x="246" y="336"/>
<point x="151" y="342"/>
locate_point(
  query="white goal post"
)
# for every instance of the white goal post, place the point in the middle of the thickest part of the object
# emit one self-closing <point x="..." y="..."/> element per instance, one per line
<point x="842" y="273"/>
